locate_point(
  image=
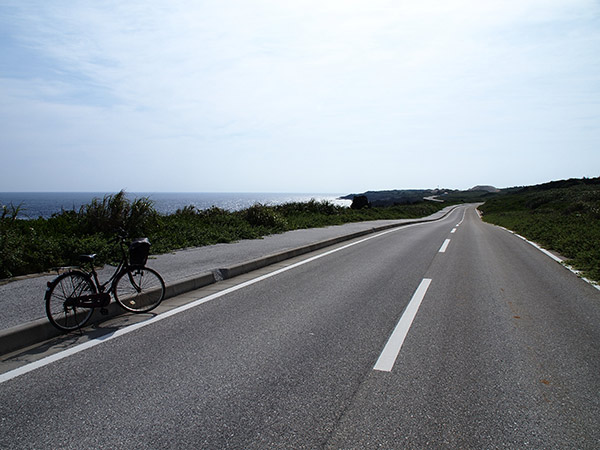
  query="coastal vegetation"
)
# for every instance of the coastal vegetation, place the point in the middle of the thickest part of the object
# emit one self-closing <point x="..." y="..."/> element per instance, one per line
<point x="38" y="245"/>
<point x="563" y="216"/>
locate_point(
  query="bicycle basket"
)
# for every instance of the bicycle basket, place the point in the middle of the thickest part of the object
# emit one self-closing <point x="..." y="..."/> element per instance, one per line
<point x="138" y="251"/>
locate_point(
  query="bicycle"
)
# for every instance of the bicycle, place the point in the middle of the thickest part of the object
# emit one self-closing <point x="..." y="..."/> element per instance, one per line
<point x="72" y="296"/>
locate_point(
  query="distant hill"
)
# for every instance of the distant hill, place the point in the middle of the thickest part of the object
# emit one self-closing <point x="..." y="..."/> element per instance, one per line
<point x="396" y="196"/>
<point x="561" y="184"/>
<point x="485" y="188"/>
<point x="411" y="196"/>
<point x="479" y="193"/>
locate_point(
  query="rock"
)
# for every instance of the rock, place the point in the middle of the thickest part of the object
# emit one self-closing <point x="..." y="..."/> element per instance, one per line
<point x="360" y="202"/>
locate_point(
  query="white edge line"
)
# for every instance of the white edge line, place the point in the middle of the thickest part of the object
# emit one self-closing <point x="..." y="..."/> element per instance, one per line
<point x="543" y="250"/>
<point x="92" y="343"/>
<point x="554" y="257"/>
<point x="390" y="352"/>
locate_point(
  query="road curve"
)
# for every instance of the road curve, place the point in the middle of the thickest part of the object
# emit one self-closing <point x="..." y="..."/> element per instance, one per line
<point x="502" y="352"/>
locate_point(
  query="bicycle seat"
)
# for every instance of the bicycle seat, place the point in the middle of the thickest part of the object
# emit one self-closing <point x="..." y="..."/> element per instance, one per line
<point x="87" y="258"/>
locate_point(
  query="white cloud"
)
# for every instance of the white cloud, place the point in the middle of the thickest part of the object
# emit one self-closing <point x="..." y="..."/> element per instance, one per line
<point x="245" y="87"/>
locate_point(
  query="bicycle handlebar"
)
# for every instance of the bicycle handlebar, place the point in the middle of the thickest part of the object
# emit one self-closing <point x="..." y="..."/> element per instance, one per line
<point x="120" y="236"/>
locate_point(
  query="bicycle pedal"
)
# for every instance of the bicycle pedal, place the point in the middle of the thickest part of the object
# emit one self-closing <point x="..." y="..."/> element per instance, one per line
<point x="104" y="311"/>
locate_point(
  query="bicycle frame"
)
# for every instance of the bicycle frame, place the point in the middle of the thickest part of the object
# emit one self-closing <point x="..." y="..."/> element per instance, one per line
<point x="102" y="286"/>
<point x="102" y="298"/>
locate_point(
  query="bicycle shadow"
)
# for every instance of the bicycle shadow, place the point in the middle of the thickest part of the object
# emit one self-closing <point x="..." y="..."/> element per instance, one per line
<point x="99" y="330"/>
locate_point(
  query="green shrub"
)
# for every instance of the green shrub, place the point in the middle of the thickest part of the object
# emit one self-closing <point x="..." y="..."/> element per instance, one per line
<point x="263" y="216"/>
<point x="11" y="244"/>
<point x="115" y="212"/>
<point x="187" y="211"/>
<point x="28" y="246"/>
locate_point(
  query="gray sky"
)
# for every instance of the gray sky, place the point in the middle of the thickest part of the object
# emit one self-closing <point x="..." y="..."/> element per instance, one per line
<point x="297" y="96"/>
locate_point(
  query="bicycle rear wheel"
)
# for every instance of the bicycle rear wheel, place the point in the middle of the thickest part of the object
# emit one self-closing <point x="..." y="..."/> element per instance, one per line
<point x="139" y="289"/>
<point x="61" y="306"/>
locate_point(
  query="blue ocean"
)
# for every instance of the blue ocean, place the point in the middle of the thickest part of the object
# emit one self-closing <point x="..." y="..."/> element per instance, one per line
<point x="44" y="204"/>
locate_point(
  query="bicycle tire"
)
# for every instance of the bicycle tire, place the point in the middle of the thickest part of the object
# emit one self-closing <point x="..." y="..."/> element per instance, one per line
<point x="64" y="288"/>
<point x="139" y="289"/>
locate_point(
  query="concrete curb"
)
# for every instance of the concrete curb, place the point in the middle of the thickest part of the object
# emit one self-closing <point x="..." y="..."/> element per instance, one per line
<point x="21" y="336"/>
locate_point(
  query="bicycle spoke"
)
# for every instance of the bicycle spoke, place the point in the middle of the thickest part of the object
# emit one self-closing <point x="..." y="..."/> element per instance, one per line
<point x="60" y="301"/>
<point x="139" y="289"/>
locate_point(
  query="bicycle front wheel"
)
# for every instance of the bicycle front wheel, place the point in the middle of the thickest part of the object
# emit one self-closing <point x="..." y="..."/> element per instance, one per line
<point x="139" y="289"/>
<point x="61" y="300"/>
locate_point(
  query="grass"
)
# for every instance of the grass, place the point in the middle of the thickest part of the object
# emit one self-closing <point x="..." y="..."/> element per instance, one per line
<point x="563" y="216"/>
<point x="32" y="246"/>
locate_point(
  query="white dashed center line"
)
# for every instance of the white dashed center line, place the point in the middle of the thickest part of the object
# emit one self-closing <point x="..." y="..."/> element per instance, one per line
<point x="390" y="352"/>
<point x="444" y="246"/>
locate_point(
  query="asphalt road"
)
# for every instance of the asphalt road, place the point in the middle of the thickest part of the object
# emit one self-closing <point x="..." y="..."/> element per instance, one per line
<point x="503" y="352"/>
